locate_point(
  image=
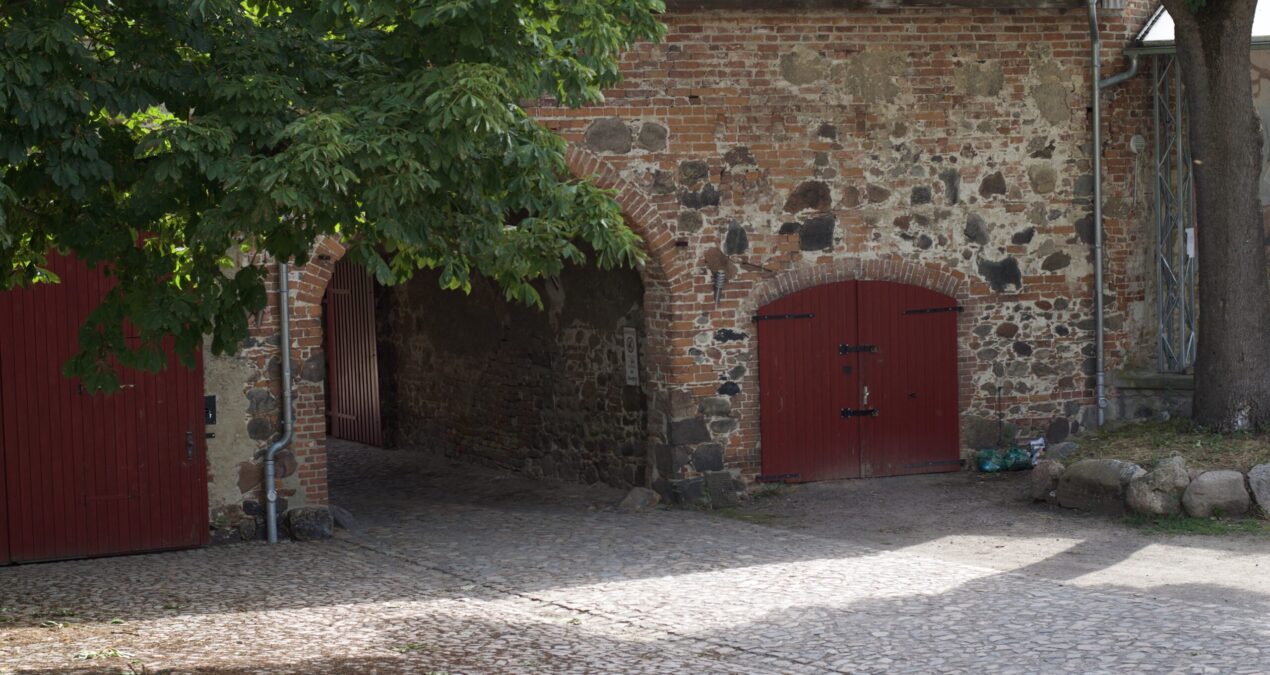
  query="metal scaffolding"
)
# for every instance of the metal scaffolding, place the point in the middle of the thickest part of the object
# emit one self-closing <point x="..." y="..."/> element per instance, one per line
<point x="1174" y="219"/>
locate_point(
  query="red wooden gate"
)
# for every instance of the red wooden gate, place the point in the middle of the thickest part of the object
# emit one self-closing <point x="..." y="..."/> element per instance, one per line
<point x="858" y="378"/>
<point x="352" y="363"/>
<point x="88" y="475"/>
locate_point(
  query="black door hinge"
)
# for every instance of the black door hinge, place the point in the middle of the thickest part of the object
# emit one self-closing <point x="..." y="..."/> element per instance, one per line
<point x="775" y="317"/>
<point x="850" y="349"/>
<point x="935" y="310"/>
<point x="859" y="412"/>
<point x="777" y="478"/>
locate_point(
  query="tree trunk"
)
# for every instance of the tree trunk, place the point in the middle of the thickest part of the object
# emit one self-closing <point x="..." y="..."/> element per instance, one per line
<point x="1232" y="366"/>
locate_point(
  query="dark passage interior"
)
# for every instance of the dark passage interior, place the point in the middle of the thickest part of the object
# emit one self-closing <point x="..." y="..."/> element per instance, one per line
<point x="549" y="393"/>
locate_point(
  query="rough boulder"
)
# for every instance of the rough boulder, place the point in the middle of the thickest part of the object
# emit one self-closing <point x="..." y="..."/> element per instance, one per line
<point x="1159" y="491"/>
<point x="1097" y="485"/>
<point x="1217" y="493"/>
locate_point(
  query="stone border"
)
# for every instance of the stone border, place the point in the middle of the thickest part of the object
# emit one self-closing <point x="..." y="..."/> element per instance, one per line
<point x="1117" y="487"/>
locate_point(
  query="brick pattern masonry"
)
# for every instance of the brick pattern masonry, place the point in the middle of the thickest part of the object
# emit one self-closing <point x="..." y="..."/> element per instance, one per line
<point x="948" y="148"/>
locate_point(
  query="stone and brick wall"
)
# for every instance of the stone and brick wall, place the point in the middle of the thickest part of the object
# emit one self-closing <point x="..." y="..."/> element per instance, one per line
<point x="949" y="148"/>
<point x="541" y="392"/>
<point x="236" y="467"/>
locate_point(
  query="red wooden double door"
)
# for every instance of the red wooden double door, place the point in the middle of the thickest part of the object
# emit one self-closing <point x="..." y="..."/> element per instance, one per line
<point x="82" y="474"/>
<point x="858" y="379"/>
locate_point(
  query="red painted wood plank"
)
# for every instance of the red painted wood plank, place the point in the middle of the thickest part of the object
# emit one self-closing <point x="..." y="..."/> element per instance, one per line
<point x="803" y="388"/>
<point x="83" y="474"/>
<point x="805" y="382"/>
<point x="912" y="379"/>
<point x="352" y="362"/>
<point x="6" y="393"/>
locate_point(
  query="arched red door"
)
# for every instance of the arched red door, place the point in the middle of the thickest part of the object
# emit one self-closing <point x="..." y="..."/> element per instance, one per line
<point x="858" y="378"/>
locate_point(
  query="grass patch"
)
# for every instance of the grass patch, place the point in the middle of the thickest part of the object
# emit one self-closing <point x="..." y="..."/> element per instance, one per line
<point x="769" y="491"/>
<point x="1145" y="443"/>
<point x="1198" y="526"/>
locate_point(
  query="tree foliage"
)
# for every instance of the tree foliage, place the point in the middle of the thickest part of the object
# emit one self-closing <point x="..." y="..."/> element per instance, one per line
<point x="165" y="137"/>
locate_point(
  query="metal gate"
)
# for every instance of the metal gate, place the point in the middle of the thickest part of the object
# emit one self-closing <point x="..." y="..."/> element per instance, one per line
<point x="88" y="475"/>
<point x="857" y="379"/>
<point x="352" y="361"/>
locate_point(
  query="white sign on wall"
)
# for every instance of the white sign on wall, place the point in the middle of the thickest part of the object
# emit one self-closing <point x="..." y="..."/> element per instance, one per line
<point x="630" y="349"/>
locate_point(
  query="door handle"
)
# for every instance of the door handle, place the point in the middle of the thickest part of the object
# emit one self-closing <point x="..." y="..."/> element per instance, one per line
<point x="865" y="401"/>
<point x="189" y="445"/>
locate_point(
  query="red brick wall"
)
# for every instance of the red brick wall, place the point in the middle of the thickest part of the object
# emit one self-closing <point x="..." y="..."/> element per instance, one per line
<point x="742" y="121"/>
<point x="765" y="126"/>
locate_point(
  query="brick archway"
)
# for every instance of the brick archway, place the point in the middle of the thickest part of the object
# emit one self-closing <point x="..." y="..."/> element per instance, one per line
<point x="951" y="282"/>
<point x="642" y="214"/>
<point x="308" y="284"/>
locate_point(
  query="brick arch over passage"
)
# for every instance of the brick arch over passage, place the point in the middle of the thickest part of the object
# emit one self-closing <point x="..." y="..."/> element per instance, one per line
<point x="746" y="454"/>
<point x="642" y="214"/>
<point x="937" y="278"/>
<point x="309" y="285"/>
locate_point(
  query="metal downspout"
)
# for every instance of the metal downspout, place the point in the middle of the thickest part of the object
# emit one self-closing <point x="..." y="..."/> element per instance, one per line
<point x="1100" y="373"/>
<point x="1098" y="84"/>
<point x="288" y="427"/>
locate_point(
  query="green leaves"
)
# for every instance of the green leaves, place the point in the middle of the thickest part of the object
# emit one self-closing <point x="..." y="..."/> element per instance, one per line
<point x="219" y="125"/>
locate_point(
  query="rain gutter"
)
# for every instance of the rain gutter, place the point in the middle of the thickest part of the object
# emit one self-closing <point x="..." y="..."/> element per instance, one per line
<point x="288" y="425"/>
<point x="1098" y="84"/>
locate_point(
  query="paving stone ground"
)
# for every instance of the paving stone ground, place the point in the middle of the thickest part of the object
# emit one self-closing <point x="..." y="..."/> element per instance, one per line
<point x="455" y="569"/>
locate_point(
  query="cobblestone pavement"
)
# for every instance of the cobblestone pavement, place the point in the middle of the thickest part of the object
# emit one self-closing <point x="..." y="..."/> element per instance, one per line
<point x="473" y="571"/>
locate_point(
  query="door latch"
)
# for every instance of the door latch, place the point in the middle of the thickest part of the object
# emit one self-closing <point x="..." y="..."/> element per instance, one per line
<point x="851" y="349"/>
<point x="859" y="412"/>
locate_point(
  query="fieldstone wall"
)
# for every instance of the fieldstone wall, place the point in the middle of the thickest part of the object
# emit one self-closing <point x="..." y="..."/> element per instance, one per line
<point x="249" y="395"/>
<point x="943" y="147"/>
<point x="540" y="392"/>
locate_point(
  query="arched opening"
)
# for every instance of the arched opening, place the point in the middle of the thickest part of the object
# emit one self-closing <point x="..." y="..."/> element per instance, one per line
<point x="558" y="393"/>
<point x="562" y="333"/>
<point x="858" y="379"/>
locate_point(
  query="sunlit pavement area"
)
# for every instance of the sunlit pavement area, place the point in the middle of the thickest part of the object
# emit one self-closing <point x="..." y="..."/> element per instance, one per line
<point x="456" y="569"/>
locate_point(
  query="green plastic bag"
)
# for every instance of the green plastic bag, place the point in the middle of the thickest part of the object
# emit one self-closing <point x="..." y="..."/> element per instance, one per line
<point x="989" y="460"/>
<point x="1017" y="459"/>
<point x="993" y="461"/>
